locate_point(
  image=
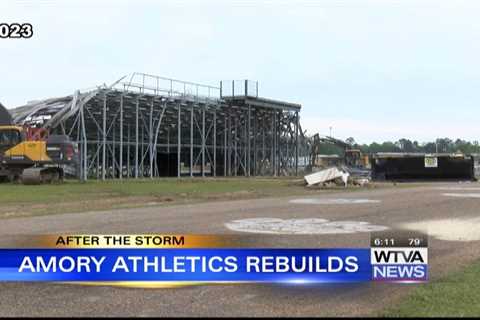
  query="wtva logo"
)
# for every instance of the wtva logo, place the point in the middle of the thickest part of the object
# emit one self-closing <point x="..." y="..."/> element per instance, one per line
<point x="400" y="264"/>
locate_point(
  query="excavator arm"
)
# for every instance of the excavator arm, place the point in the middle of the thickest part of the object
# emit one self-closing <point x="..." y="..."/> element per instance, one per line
<point x="352" y="157"/>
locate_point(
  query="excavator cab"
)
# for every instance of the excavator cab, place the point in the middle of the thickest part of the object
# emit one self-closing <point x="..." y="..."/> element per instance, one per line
<point x="353" y="157"/>
<point x="10" y="136"/>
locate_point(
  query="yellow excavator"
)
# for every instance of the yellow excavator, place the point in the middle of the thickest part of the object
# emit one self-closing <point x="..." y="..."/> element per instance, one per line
<point x="31" y="155"/>
<point x="352" y="157"/>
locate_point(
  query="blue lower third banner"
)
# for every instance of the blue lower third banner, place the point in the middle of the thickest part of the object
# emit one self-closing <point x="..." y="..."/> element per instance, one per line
<point x="187" y="265"/>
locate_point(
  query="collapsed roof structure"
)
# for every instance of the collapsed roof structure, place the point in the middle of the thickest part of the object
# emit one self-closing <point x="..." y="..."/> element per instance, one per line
<point x="148" y="126"/>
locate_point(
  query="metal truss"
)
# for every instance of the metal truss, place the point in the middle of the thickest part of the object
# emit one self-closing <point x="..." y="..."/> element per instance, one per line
<point x="150" y="126"/>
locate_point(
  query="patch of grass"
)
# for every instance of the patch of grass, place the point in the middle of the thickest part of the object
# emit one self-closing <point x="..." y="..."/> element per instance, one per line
<point x="74" y="190"/>
<point x="456" y="295"/>
<point x="75" y="196"/>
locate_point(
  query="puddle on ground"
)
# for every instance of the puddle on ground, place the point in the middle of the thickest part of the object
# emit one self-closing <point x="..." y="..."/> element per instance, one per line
<point x="458" y="188"/>
<point x="462" y="195"/>
<point x="448" y="229"/>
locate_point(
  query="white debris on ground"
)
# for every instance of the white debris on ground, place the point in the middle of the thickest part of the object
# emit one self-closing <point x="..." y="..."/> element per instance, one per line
<point x="327" y="175"/>
<point x="360" y="181"/>
<point x="339" y="176"/>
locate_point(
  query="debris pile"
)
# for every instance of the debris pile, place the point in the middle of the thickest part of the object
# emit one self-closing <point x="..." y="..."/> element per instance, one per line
<point x="358" y="176"/>
<point x="327" y="175"/>
<point x="338" y="176"/>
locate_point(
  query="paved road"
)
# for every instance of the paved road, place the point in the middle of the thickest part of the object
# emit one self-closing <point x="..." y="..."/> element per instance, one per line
<point x="393" y="208"/>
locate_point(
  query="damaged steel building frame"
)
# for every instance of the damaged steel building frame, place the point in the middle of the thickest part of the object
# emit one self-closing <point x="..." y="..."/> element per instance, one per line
<point x="150" y="126"/>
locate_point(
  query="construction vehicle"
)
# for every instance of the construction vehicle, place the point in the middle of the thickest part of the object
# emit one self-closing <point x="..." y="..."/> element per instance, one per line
<point x="31" y="155"/>
<point x="352" y="157"/>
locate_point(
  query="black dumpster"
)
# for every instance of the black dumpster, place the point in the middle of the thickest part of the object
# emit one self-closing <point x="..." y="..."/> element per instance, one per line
<point x="416" y="166"/>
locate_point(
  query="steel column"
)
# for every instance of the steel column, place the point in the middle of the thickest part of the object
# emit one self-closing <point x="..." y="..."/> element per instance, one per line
<point x="191" y="141"/>
<point x="179" y="140"/>
<point x="214" y="142"/>
<point x="120" y="176"/>
<point x="150" y="142"/>
<point x="248" y="140"/>
<point x="203" y="141"/>
<point x="85" y="157"/>
<point x="225" y="150"/>
<point x="136" y="139"/>
<point x="296" y="142"/>
<point x="104" y="135"/>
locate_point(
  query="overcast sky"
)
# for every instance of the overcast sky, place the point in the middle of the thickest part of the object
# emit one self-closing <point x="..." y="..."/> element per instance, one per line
<point x="372" y="69"/>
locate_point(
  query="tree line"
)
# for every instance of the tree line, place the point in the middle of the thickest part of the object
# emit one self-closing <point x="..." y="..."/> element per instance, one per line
<point x="441" y="145"/>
